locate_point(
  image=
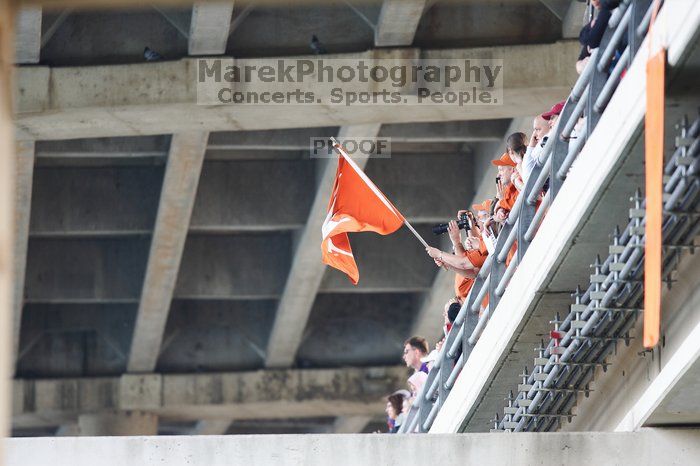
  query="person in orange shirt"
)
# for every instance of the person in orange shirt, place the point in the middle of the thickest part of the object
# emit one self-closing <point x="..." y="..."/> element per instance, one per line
<point x="466" y="261"/>
<point x="507" y="191"/>
<point x="508" y="194"/>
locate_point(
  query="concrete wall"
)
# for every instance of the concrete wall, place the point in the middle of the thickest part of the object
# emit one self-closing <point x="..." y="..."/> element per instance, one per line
<point x="649" y="447"/>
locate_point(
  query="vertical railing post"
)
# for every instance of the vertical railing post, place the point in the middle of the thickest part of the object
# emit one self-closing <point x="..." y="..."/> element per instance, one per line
<point x="639" y="9"/>
<point x="424" y="410"/>
<point x="598" y="79"/>
<point x="444" y="374"/>
<point x="497" y="270"/>
<point x="560" y="149"/>
<point x="527" y="213"/>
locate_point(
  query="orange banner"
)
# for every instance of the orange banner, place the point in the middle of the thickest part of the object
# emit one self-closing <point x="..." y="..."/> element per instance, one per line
<point x="356" y="205"/>
<point x="654" y="158"/>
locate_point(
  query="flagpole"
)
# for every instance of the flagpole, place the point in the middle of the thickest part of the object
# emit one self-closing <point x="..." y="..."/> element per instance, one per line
<point x="339" y="148"/>
<point x="413" y="230"/>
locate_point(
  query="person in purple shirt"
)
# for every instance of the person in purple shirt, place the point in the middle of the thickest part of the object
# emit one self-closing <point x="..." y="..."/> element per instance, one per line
<point x="414" y="349"/>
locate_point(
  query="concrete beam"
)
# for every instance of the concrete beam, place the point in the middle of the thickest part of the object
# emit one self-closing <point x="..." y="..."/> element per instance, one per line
<point x="68" y="430"/>
<point x="350" y="424"/>
<point x="24" y="170"/>
<point x="28" y="35"/>
<point x="298" y="139"/>
<point x="445" y="132"/>
<point x="269" y="394"/>
<point x="161" y="98"/>
<point x="307" y="269"/>
<point x="397" y="23"/>
<point x="172" y="222"/>
<point x="573" y="20"/>
<point x="108" y="148"/>
<point x="212" y="427"/>
<point x="118" y="423"/>
<point x="557" y="7"/>
<point x="648" y="447"/>
<point x="209" y="29"/>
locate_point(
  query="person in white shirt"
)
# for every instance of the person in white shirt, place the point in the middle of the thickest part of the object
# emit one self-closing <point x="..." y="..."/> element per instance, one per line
<point x="533" y="156"/>
<point x="542" y="125"/>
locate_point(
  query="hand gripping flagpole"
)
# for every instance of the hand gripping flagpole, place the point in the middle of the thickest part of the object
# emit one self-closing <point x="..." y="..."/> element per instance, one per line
<point x="337" y="146"/>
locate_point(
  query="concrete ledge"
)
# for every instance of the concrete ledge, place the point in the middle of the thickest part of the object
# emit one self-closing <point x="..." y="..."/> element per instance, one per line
<point x="647" y="447"/>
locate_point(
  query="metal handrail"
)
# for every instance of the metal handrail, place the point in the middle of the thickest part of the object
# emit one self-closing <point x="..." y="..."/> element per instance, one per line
<point x="524" y="219"/>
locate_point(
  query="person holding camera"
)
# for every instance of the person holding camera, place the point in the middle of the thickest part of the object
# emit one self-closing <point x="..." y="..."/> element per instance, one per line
<point x="466" y="259"/>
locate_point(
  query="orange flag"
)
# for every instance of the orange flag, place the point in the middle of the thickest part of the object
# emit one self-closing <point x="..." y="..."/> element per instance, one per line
<point x="654" y="159"/>
<point x="356" y="205"/>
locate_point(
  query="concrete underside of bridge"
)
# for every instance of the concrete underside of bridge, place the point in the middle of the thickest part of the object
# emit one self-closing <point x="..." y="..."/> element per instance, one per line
<point x="647" y="447"/>
<point x="156" y="237"/>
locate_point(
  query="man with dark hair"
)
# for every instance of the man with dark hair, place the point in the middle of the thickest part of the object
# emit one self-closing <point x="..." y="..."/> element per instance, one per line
<point x="414" y="349"/>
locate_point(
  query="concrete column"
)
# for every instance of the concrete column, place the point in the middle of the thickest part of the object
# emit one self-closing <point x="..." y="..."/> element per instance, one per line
<point x="172" y="222"/>
<point x="350" y="424"/>
<point x="209" y="29"/>
<point x="28" y="39"/>
<point x="24" y="171"/>
<point x="212" y="427"/>
<point x="7" y="186"/>
<point x="398" y="21"/>
<point x="68" y="430"/>
<point x="118" y="423"/>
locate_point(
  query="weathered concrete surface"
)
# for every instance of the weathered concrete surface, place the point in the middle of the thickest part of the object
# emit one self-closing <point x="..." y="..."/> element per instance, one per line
<point x="212" y="427"/>
<point x="28" y="35"/>
<point x="117" y="423"/>
<point x="209" y="28"/>
<point x="157" y="98"/>
<point x="397" y="22"/>
<point x="269" y="394"/>
<point x="24" y="170"/>
<point x="350" y="424"/>
<point x="172" y="223"/>
<point x="646" y="448"/>
<point x="307" y="270"/>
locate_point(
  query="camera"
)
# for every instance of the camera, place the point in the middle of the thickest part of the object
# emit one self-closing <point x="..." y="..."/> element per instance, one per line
<point x="463" y="223"/>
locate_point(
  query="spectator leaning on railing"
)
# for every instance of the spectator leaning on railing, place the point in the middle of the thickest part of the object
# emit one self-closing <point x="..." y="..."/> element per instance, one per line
<point x="414" y="349"/>
<point x="533" y="155"/>
<point x="592" y="33"/>
<point x="487" y="219"/>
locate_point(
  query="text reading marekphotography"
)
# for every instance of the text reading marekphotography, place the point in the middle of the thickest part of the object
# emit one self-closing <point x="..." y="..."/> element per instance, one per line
<point x="348" y="82"/>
